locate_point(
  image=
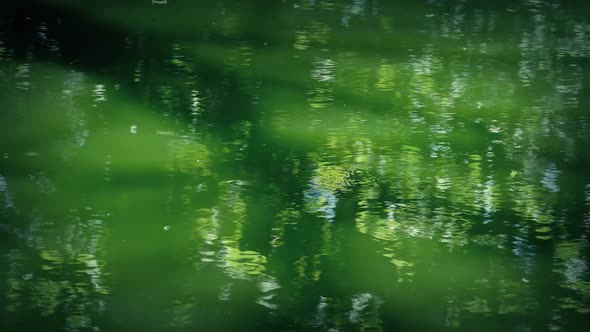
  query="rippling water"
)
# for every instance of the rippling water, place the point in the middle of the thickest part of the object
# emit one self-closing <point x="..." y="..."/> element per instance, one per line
<point x="294" y="165"/>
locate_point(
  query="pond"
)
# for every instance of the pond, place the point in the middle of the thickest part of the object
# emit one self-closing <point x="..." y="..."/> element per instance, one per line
<point x="295" y="165"/>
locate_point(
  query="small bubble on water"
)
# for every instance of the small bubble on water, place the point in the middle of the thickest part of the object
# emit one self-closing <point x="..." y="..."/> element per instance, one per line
<point x="27" y="276"/>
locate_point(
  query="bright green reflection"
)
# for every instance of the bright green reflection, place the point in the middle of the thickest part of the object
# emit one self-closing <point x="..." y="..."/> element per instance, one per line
<point x="299" y="165"/>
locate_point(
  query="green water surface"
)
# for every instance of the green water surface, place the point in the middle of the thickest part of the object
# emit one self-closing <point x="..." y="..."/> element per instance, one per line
<point x="295" y="165"/>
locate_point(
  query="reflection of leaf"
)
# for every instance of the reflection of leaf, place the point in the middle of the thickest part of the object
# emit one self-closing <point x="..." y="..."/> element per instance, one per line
<point x="400" y="263"/>
<point x="52" y="255"/>
<point x="85" y="257"/>
<point x="543" y="237"/>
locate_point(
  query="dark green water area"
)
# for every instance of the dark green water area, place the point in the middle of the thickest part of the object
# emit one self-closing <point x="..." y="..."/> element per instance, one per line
<point x="295" y="165"/>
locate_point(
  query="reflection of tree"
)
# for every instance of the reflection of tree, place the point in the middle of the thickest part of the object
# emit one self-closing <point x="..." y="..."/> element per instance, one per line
<point x="307" y="178"/>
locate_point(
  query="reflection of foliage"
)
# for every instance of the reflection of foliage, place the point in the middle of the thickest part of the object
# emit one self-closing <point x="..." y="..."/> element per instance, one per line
<point x="53" y="259"/>
<point x="515" y="297"/>
<point x="46" y="295"/>
<point x="573" y="267"/>
<point x="434" y="147"/>
<point x="332" y="178"/>
<point x="478" y="306"/>
<point x="236" y="148"/>
<point x="14" y="281"/>
<point x="313" y="34"/>
<point x="240" y="264"/>
<point x="181" y="316"/>
<point x="189" y="156"/>
<point x="385" y="77"/>
<point x="498" y="241"/>
<point x="328" y="182"/>
<point x="411" y="161"/>
<point x="365" y="310"/>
